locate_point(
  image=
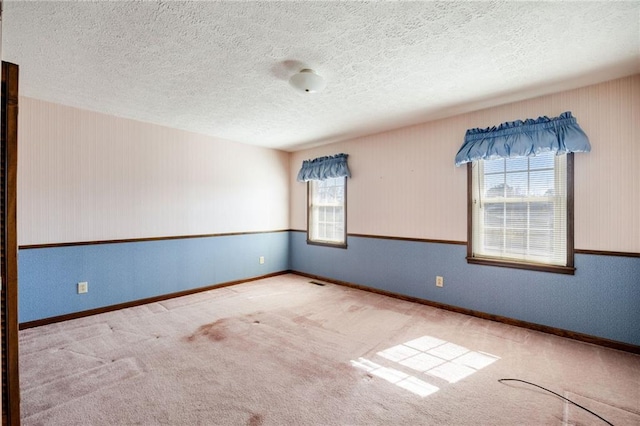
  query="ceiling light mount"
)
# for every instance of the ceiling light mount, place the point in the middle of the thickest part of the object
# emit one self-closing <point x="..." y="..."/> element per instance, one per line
<point x="307" y="81"/>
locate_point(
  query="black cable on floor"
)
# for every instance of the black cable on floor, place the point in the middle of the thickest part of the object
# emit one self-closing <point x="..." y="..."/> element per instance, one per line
<point x="558" y="395"/>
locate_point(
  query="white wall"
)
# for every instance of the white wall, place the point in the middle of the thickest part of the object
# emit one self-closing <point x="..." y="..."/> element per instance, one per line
<point x="85" y="176"/>
<point x="405" y="183"/>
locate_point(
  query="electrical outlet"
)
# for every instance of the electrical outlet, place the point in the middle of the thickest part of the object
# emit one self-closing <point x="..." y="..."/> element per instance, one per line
<point x="83" y="287"/>
<point x="261" y="260"/>
<point x="439" y="281"/>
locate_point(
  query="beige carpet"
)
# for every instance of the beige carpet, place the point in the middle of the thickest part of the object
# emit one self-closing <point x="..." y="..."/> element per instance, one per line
<point x="282" y="351"/>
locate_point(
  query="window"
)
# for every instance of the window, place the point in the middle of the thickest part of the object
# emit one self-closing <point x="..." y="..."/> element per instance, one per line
<point x="521" y="212"/>
<point x="327" y="212"/>
<point x="520" y="192"/>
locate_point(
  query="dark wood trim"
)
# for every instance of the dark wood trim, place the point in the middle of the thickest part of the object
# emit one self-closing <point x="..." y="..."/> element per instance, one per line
<point x="409" y="239"/>
<point x="323" y="244"/>
<point x="464" y="243"/>
<point x="140" y="240"/>
<point x="586" y="338"/>
<point x="110" y="308"/>
<point x="607" y="253"/>
<point x="522" y="265"/>
<point x="9" y="148"/>
<point x="382" y="237"/>
<point x="412" y="240"/>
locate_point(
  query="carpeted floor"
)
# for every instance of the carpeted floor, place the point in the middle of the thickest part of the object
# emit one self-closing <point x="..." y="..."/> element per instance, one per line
<point x="283" y="351"/>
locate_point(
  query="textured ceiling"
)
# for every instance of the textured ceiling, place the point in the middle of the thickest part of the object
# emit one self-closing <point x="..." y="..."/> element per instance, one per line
<point x="222" y="68"/>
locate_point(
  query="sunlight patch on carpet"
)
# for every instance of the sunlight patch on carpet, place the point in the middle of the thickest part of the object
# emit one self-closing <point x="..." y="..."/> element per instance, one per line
<point x="396" y="377"/>
<point x="451" y="372"/>
<point x="421" y="362"/>
<point x="428" y="355"/>
<point x="438" y="358"/>
<point x="398" y="353"/>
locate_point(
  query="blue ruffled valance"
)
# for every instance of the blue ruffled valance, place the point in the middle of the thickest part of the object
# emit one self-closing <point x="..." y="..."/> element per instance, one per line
<point x="324" y="168"/>
<point x="526" y="138"/>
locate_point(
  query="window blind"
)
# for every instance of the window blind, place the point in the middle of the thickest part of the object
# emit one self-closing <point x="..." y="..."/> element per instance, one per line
<point x="520" y="209"/>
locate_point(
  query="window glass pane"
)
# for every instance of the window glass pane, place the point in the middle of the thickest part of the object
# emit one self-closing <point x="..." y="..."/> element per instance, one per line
<point x="494" y="186"/>
<point x="320" y="194"/>
<point x="493" y="166"/>
<point x="516" y="241"/>
<point x="493" y="239"/>
<point x="518" y="163"/>
<point x="322" y="230"/>
<point x="542" y="161"/>
<point x="541" y="242"/>
<point x="517" y="185"/>
<point x="494" y="214"/>
<point x="331" y="194"/>
<point x="542" y="183"/>
<point x="516" y="215"/>
<point x="541" y="215"/>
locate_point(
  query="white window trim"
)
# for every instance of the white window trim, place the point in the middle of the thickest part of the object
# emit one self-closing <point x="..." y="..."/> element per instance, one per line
<point x="541" y="264"/>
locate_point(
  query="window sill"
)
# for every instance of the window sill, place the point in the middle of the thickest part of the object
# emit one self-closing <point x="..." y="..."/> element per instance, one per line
<point x="567" y="270"/>
<point x="327" y="244"/>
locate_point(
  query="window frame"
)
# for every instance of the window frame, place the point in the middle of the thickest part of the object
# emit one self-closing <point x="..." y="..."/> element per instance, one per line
<point x="568" y="269"/>
<point x="310" y="241"/>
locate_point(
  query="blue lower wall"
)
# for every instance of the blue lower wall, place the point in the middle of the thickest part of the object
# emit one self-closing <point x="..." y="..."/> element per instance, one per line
<point x="602" y="299"/>
<point x="129" y="271"/>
